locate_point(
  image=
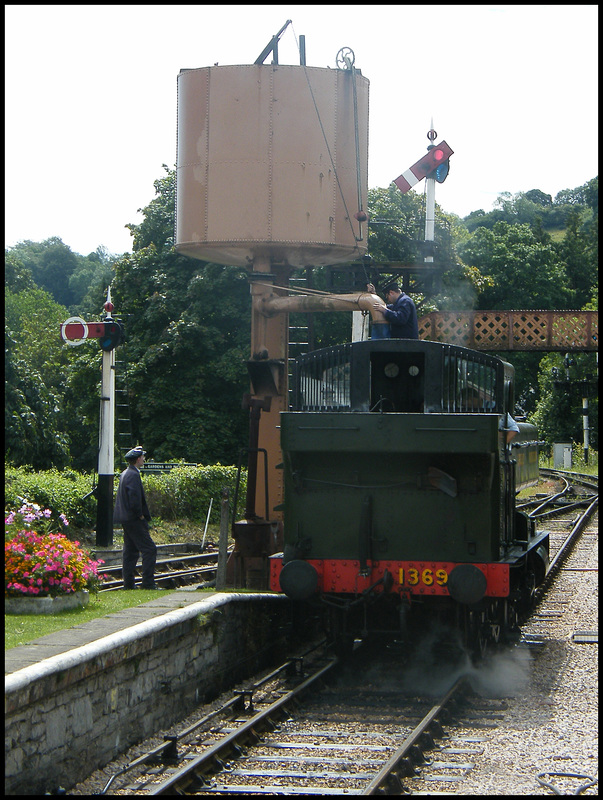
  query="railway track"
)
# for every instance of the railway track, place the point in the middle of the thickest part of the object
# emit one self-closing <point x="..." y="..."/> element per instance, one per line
<point x="171" y="572"/>
<point x="565" y="512"/>
<point x="318" y="726"/>
<point x="332" y="732"/>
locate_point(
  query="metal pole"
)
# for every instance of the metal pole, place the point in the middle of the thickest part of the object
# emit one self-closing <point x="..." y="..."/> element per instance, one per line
<point x="585" y="424"/>
<point x="429" y="215"/>
<point x="430" y="205"/>
<point x="207" y="523"/>
<point x="104" y="507"/>
<point x="222" y="542"/>
<point x="302" y="50"/>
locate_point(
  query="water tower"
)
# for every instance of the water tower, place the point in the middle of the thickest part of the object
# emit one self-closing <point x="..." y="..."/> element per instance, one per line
<point x="272" y="175"/>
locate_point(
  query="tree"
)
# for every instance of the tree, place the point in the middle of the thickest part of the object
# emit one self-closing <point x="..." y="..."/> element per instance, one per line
<point x="32" y="434"/>
<point x="538" y="198"/>
<point x="524" y="272"/>
<point x="187" y="328"/>
<point x="93" y="273"/>
<point x="51" y="263"/>
<point x="34" y="320"/>
<point x="46" y="423"/>
<point x="394" y="224"/>
<point x="579" y="259"/>
<point x="67" y="276"/>
<point x="16" y="275"/>
<point x="558" y="414"/>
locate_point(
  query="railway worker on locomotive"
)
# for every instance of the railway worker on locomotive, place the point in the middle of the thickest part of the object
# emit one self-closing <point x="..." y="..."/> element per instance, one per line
<point x="399" y="312"/>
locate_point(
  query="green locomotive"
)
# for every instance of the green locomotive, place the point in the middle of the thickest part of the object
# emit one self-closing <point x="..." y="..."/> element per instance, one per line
<point x="401" y="467"/>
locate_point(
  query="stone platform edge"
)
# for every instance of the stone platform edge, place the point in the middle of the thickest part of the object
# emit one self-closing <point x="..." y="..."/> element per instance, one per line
<point x="99" y="652"/>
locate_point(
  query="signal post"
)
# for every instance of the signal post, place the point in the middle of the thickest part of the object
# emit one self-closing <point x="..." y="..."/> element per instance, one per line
<point x="109" y="332"/>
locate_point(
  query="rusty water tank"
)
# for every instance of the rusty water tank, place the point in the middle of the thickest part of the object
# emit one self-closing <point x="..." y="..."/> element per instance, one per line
<point x="267" y="166"/>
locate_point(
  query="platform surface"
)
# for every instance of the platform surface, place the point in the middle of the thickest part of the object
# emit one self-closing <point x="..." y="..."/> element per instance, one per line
<point x="77" y="635"/>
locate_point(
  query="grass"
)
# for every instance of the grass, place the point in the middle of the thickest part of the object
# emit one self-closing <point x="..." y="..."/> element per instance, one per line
<point x="578" y="465"/>
<point x="22" y="628"/>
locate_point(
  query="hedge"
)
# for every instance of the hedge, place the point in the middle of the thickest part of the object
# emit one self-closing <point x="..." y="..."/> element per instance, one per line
<point x="182" y="493"/>
<point x="61" y="491"/>
<point x="186" y="492"/>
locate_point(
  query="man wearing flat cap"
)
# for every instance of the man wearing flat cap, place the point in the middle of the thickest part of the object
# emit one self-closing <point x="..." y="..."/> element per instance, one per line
<point x="132" y="511"/>
<point x="399" y="311"/>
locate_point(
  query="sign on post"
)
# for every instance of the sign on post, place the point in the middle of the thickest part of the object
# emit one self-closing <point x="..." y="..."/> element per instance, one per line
<point x="162" y="466"/>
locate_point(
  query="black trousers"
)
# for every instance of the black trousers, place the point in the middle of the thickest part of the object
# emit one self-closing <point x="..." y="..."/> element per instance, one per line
<point x="137" y="540"/>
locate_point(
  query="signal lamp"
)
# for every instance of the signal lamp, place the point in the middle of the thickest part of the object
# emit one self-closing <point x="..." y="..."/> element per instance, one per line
<point x="112" y="335"/>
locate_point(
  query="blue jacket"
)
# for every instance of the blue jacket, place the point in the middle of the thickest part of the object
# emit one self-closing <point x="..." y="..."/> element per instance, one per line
<point x="402" y="318"/>
<point x="130" y="503"/>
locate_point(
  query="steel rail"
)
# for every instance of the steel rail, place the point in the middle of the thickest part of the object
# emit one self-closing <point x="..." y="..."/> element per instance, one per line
<point x="117" y="583"/>
<point x="184" y="559"/>
<point x="231" y="742"/>
<point x="168" y="749"/>
<point x="388" y="773"/>
<point x="565" y="549"/>
<point x="111" y="586"/>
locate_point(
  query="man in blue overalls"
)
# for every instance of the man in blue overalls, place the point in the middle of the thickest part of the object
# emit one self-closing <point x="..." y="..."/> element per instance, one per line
<point x="400" y="312"/>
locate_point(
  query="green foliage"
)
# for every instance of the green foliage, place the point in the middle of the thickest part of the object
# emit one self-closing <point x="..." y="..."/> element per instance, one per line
<point x="395" y="224"/>
<point x="31" y="415"/>
<point x="60" y="490"/>
<point x="578" y="252"/>
<point x="181" y="493"/>
<point x="34" y="320"/>
<point x="16" y="276"/>
<point x="43" y="427"/>
<point x="67" y="276"/>
<point x="558" y="414"/>
<point x="527" y="207"/>
<point x="524" y="272"/>
<point x="186" y="492"/>
<point x="187" y="327"/>
<point x="51" y="264"/>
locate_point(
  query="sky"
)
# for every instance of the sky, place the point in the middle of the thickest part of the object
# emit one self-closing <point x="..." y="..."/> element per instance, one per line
<point x="91" y="99"/>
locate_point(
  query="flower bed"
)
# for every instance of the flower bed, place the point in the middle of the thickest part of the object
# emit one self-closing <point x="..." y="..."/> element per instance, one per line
<point x="44" y="565"/>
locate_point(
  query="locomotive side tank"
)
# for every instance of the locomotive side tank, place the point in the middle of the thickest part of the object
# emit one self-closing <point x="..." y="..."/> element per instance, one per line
<point x="400" y="483"/>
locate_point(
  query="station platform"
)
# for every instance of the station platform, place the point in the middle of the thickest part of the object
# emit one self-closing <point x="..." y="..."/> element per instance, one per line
<point x="62" y="641"/>
<point x="77" y="698"/>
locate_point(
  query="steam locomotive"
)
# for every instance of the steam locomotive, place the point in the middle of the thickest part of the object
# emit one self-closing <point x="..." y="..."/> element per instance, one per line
<point x="400" y="492"/>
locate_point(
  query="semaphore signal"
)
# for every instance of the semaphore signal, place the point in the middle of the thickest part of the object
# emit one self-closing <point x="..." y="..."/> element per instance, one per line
<point x="436" y="157"/>
<point x="110" y="333"/>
